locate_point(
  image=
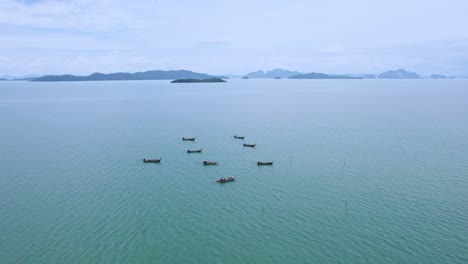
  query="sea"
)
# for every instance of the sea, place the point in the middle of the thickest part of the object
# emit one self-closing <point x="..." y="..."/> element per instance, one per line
<point x="365" y="171"/>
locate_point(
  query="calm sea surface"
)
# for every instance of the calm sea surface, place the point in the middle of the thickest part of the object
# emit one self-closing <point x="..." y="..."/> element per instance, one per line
<point x="365" y="171"/>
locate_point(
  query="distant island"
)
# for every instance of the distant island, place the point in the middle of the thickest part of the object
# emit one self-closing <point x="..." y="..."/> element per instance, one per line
<point x="399" y="74"/>
<point x="281" y="73"/>
<point x="125" y="76"/>
<point x="185" y="74"/>
<point x="272" y="74"/>
<point x="392" y="74"/>
<point x="316" y="75"/>
<point x="210" y="80"/>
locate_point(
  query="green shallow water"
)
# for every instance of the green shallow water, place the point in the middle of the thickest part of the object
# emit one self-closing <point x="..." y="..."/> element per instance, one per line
<point x="73" y="188"/>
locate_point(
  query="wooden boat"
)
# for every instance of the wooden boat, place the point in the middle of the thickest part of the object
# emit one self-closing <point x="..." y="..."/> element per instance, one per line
<point x="194" y="150"/>
<point x="239" y="137"/>
<point x="188" y="139"/>
<point x="152" y="160"/>
<point x="206" y="162"/>
<point x="249" y="145"/>
<point x="264" y="163"/>
<point x="223" y="180"/>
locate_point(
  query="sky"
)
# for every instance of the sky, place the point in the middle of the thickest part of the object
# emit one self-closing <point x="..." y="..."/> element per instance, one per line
<point x="236" y="37"/>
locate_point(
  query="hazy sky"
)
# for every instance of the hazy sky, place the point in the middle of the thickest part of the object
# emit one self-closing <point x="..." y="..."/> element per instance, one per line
<point x="371" y="36"/>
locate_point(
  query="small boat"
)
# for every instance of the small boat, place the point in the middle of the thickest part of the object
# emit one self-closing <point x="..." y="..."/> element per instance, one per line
<point x="264" y="163"/>
<point x="206" y="162"/>
<point x="249" y="145"/>
<point x="239" y="137"/>
<point x="188" y="139"/>
<point x="152" y="160"/>
<point x="223" y="180"/>
<point x="194" y="150"/>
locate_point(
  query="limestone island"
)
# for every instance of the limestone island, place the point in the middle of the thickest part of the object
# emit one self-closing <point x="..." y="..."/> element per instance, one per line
<point x="210" y="80"/>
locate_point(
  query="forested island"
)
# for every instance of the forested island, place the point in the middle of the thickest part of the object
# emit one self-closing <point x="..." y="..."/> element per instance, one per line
<point x="210" y="80"/>
<point x="125" y="76"/>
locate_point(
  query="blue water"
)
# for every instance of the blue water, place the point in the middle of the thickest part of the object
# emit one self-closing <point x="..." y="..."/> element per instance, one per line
<point x="365" y="171"/>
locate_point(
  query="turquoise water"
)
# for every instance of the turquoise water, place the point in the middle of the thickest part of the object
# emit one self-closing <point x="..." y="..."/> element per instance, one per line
<point x="366" y="171"/>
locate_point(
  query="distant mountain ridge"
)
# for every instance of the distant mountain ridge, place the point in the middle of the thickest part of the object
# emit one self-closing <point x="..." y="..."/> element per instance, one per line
<point x="399" y="74"/>
<point x="392" y="74"/>
<point x="185" y="74"/>
<point x="125" y="76"/>
<point x="272" y="74"/>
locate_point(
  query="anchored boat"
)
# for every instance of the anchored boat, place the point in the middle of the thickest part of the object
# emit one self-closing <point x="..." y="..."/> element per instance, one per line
<point x="264" y="162"/>
<point x="194" y="150"/>
<point x="206" y="162"/>
<point x="239" y="137"/>
<point x="189" y="139"/>
<point x="223" y="180"/>
<point x="152" y="160"/>
<point x="249" y="145"/>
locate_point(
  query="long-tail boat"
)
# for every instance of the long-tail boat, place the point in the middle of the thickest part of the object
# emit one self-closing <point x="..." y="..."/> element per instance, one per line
<point x="152" y="160"/>
<point x="188" y="139"/>
<point x="206" y="162"/>
<point x="194" y="150"/>
<point x="249" y="145"/>
<point x="223" y="180"/>
<point x="264" y="162"/>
